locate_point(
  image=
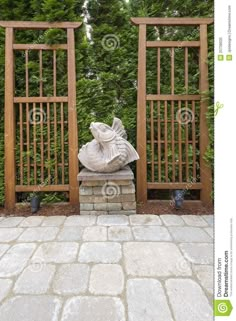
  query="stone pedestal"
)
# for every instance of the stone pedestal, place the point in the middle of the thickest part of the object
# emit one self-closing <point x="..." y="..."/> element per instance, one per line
<point x="107" y="193"/>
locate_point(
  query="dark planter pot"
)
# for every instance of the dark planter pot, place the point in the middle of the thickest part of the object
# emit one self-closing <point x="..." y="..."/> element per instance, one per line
<point x="35" y="204"/>
<point x="178" y="195"/>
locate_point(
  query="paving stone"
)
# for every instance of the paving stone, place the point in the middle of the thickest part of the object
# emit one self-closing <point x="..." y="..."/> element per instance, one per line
<point x="1" y="218"/>
<point x="129" y="206"/>
<point x="100" y="206"/>
<point x="123" y="212"/>
<point x="210" y="231"/>
<point x="39" y="234"/>
<point x="77" y="220"/>
<point x="57" y="252"/>
<point x="194" y="220"/>
<point x="209" y="219"/>
<point x="128" y="189"/>
<point x="93" y="212"/>
<point x="172" y="220"/>
<point x="32" y="221"/>
<point x="5" y="285"/>
<point x="189" y="234"/>
<point x="54" y="220"/>
<point x="154" y="259"/>
<point x="86" y="207"/>
<point x="109" y="220"/>
<point x="3" y="248"/>
<point x="93" y="309"/>
<point x="100" y="252"/>
<point x="85" y="190"/>
<point x="147" y="301"/>
<point x="70" y="233"/>
<point x="10" y="234"/>
<point x="106" y="279"/>
<point x="95" y="233"/>
<point x="11" y="221"/>
<point x="205" y="275"/>
<point x="188" y="300"/>
<point x="151" y="233"/>
<point x="71" y="279"/>
<point x="114" y="206"/>
<point x="33" y="281"/>
<point x="14" y="261"/>
<point x="145" y="220"/>
<point x="120" y="233"/>
<point x="198" y="253"/>
<point x="31" y="308"/>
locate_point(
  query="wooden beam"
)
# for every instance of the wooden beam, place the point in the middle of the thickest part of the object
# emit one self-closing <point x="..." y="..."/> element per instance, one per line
<point x="39" y="24"/>
<point x="205" y="170"/>
<point x="10" y="171"/>
<point x="39" y="188"/>
<point x="40" y="99"/>
<point x="172" y="44"/>
<point x="187" y="185"/>
<point x="172" y="21"/>
<point x="72" y="119"/>
<point x="36" y="46"/>
<point x="173" y="97"/>
<point x="141" y="118"/>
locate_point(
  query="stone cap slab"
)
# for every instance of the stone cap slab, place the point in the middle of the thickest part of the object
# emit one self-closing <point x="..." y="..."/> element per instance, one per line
<point x="123" y="174"/>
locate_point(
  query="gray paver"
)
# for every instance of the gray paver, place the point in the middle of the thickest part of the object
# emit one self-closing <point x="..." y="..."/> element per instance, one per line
<point x="210" y="231"/>
<point x="109" y="220"/>
<point x="10" y="234"/>
<point x="32" y="221"/>
<point x="57" y="252"/>
<point x="147" y="301"/>
<point x="39" y="234"/>
<point x="70" y="233"/>
<point x="106" y="279"/>
<point x="95" y="233"/>
<point x="3" y="248"/>
<point x="145" y="220"/>
<point x="100" y="252"/>
<point x="71" y="279"/>
<point x="83" y="220"/>
<point x="54" y="220"/>
<point x="151" y="233"/>
<point x="194" y="220"/>
<point x="188" y="300"/>
<point x="14" y="261"/>
<point x="33" y="281"/>
<point x="205" y="275"/>
<point x="93" y="309"/>
<point x="198" y="253"/>
<point x="209" y="219"/>
<point x="120" y="233"/>
<point x="172" y="220"/>
<point x="31" y="308"/>
<point x="189" y="234"/>
<point x="5" y="285"/>
<point x="154" y="259"/>
<point x="11" y="221"/>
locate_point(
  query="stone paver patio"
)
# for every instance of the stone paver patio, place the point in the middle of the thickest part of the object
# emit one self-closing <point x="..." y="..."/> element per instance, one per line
<point x="106" y="268"/>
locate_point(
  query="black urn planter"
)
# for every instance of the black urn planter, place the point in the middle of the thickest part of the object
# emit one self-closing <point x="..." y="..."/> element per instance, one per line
<point x="178" y="196"/>
<point x="35" y="204"/>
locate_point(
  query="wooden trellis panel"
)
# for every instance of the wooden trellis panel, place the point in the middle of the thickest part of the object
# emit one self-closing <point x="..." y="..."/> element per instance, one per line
<point x="157" y="118"/>
<point x="33" y="123"/>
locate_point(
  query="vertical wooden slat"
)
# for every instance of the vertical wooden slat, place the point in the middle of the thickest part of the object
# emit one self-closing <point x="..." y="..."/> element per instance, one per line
<point x="172" y="71"/>
<point x="173" y="140"/>
<point x="55" y="144"/>
<point x="159" y="139"/>
<point x="41" y="73"/>
<point x="21" y="146"/>
<point x="54" y="73"/>
<point x="72" y="119"/>
<point x="205" y="171"/>
<point x="28" y="143"/>
<point x="42" y="142"/>
<point x="152" y="140"/>
<point x="186" y="146"/>
<point x="166" y="142"/>
<point x="141" y="118"/>
<point x="159" y="71"/>
<point x="186" y="69"/>
<point x="194" y="141"/>
<point x="180" y="145"/>
<point x="62" y="144"/>
<point x="49" y="139"/>
<point x="35" y="145"/>
<point x="10" y="171"/>
<point x="27" y="73"/>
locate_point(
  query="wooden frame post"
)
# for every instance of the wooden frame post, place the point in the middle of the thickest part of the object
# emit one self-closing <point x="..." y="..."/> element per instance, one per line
<point x="10" y="171"/>
<point x="141" y="118"/>
<point x="72" y="118"/>
<point x="205" y="171"/>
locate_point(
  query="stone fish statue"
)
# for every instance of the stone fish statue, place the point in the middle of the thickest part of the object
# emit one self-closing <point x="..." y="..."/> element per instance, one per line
<point x="109" y="151"/>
